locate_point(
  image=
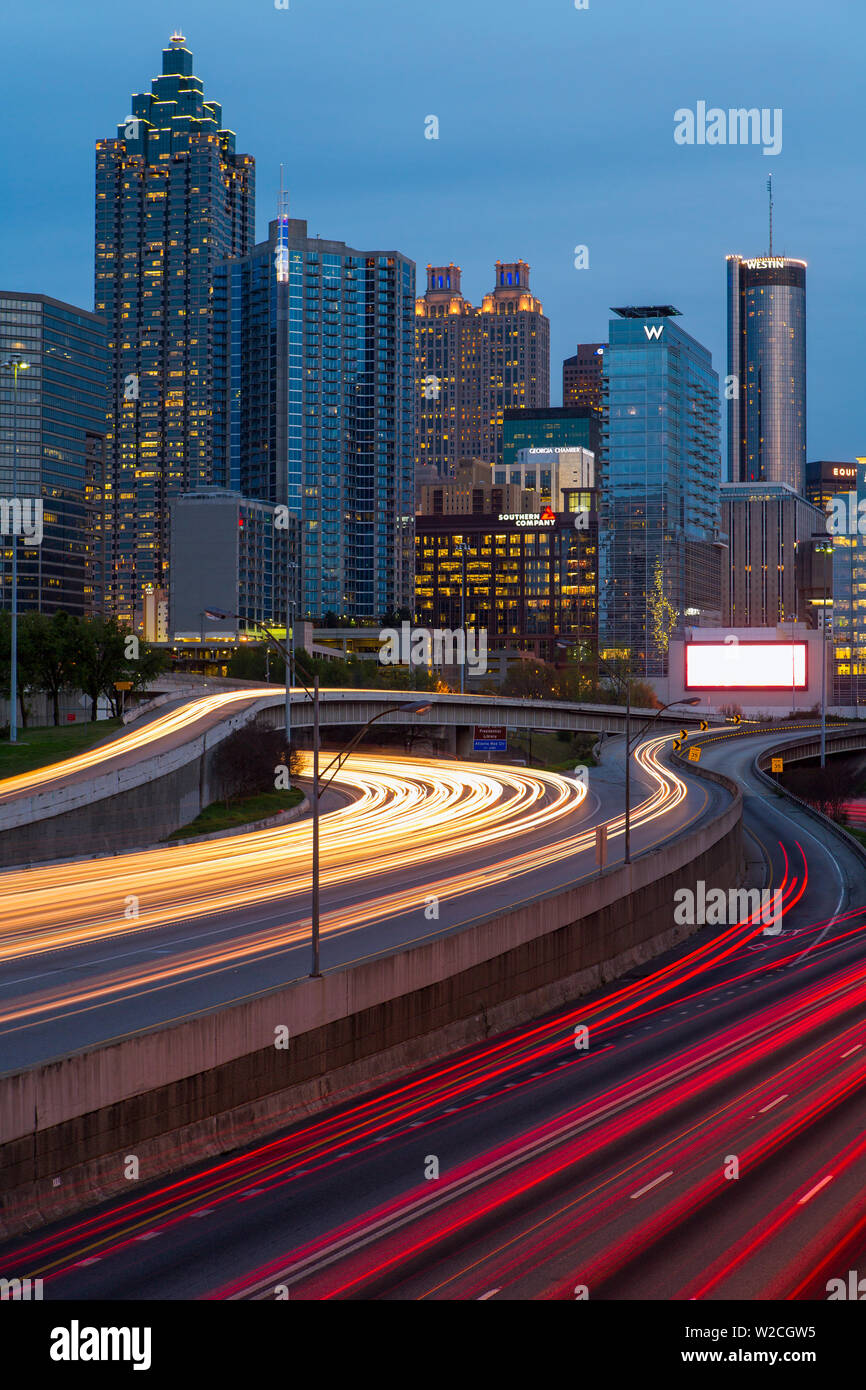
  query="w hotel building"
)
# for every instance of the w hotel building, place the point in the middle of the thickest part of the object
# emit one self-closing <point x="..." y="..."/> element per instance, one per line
<point x="472" y="363"/>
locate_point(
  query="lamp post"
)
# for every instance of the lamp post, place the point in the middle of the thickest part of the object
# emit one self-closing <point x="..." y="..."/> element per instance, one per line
<point x="629" y="741"/>
<point x="323" y="780"/>
<point x="824" y="548"/>
<point x="464" y="551"/>
<point x="14" y="365"/>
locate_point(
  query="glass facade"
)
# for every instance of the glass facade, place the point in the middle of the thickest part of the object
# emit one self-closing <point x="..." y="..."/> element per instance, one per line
<point x="315" y="408"/>
<point x="57" y="427"/>
<point x="849" y="596"/>
<point x="553" y="427"/>
<point x="660" y="474"/>
<point x="766" y="390"/>
<point x="172" y="198"/>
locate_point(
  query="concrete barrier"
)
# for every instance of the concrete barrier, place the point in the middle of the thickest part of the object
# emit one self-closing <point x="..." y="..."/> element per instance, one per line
<point x="178" y="1094"/>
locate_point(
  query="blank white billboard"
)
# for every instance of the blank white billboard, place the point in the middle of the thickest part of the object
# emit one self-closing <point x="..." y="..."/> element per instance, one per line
<point x="746" y="666"/>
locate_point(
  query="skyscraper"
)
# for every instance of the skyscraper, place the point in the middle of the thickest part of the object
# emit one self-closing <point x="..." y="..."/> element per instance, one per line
<point x="55" y="421"/>
<point x="766" y="385"/>
<point x="659" y="526"/>
<point x="474" y="362"/>
<point x="315" y="409"/>
<point x="172" y="198"/>
<point x="582" y="377"/>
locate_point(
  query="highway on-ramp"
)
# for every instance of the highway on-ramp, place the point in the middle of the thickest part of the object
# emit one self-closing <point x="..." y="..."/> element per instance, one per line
<point x="92" y="951"/>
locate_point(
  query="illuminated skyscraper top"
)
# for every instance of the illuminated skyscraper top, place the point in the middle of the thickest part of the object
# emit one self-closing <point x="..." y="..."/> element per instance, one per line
<point x="172" y="198"/>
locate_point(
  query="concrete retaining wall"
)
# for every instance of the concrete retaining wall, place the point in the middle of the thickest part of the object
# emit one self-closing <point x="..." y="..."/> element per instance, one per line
<point x="202" y="1087"/>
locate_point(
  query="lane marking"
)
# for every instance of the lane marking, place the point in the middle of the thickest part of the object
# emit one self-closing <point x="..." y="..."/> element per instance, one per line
<point x="650" y="1185"/>
<point x="816" y="1188"/>
<point x="764" y="1108"/>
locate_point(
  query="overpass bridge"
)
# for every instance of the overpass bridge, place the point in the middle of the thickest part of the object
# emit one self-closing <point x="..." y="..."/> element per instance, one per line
<point x="340" y="706"/>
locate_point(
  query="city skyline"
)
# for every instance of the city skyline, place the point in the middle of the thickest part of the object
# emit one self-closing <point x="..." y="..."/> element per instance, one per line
<point x="693" y="206"/>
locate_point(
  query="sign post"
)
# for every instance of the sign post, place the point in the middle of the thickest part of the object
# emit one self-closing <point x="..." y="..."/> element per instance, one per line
<point x="490" y="738"/>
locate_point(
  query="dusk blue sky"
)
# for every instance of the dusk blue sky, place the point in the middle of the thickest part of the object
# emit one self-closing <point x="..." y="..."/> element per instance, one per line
<point x="556" y="129"/>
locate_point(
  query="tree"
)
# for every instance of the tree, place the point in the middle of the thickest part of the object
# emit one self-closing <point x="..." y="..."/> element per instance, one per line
<point x="55" y="647"/>
<point x="661" y="613"/>
<point x="531" y="679"/>
<point x="107" y="653"/>
<point x="101" y="659"/>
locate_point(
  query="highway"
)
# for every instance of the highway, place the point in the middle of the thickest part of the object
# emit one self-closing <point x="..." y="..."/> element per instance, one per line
<point x="529" y="1168"/>
<point x="92" y="951"/>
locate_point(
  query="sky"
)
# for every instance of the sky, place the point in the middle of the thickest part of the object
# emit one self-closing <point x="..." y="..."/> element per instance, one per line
<point x="556" y="130"/>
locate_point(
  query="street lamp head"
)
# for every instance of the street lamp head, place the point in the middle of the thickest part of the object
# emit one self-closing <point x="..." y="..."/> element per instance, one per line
<point x="693" y="700"/>
<point x="416" y="708"/>
<point x="218" y="614"/>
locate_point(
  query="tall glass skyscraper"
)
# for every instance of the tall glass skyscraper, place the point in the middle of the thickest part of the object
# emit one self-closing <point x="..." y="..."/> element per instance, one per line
<point x="58" y="432"/>
<point x="315" y="408"/>
<point x="766" y="386"/>
<point x="660" y="473"/>
<point x="172" y="198"/>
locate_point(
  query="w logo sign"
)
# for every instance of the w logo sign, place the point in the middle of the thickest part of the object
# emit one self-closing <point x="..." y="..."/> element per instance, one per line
<point x="655" y="331"/>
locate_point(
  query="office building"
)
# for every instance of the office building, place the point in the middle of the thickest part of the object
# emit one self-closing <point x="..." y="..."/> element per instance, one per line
<point x="315" y="409"/>
<point x="582" y="377"/>
<point x="475" y="488"/>
<point x="773" y="574"/>
<point x="473" y="363"/>
<point x="552" y="473"/>
<point x="660" y="550"/>
<point x="531" y="579"/>
<point x="230" y="557"/>
<point x="551" y="429"/>
<point x="172" y="198"/>
<point x="56" y="424"/>
<point x="826" y="478"/>
<point x="766" y="384"/>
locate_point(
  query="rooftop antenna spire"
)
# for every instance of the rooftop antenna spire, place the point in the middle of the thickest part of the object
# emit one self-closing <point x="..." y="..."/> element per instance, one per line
<point x="770" y="191"/>
<point x="282" y="262"/>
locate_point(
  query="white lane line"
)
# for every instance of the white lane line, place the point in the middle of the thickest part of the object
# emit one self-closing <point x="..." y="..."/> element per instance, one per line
<point x="196" y="1215"/>
<point x="764" y="1108"/>
<point x="855" y="1048"/>
<point x="91" y="1260"/>
<point x="655" y="1182"/>
<point x="490" y="1292"/>
<point x="816" y="1188"/>
<point x="148" y="1235"/>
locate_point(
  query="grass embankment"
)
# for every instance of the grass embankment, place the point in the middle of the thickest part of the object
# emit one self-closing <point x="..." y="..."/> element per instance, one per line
<point x="218" y="816"/>
<point x="551" y="753"/>
<point x="47" y="744"/>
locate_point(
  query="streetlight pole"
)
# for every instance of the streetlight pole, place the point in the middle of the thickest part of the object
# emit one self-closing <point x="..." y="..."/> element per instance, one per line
<point x="693" y="700"/>
<point x="824" y="549"/>
<point x="15" y="365"/>
<point x="463" y="548"/>
<point x="290" y="641"/>
<point x="318" y="783"/>
<point x="627" y="854"/>
<point x="315" y="972"/>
